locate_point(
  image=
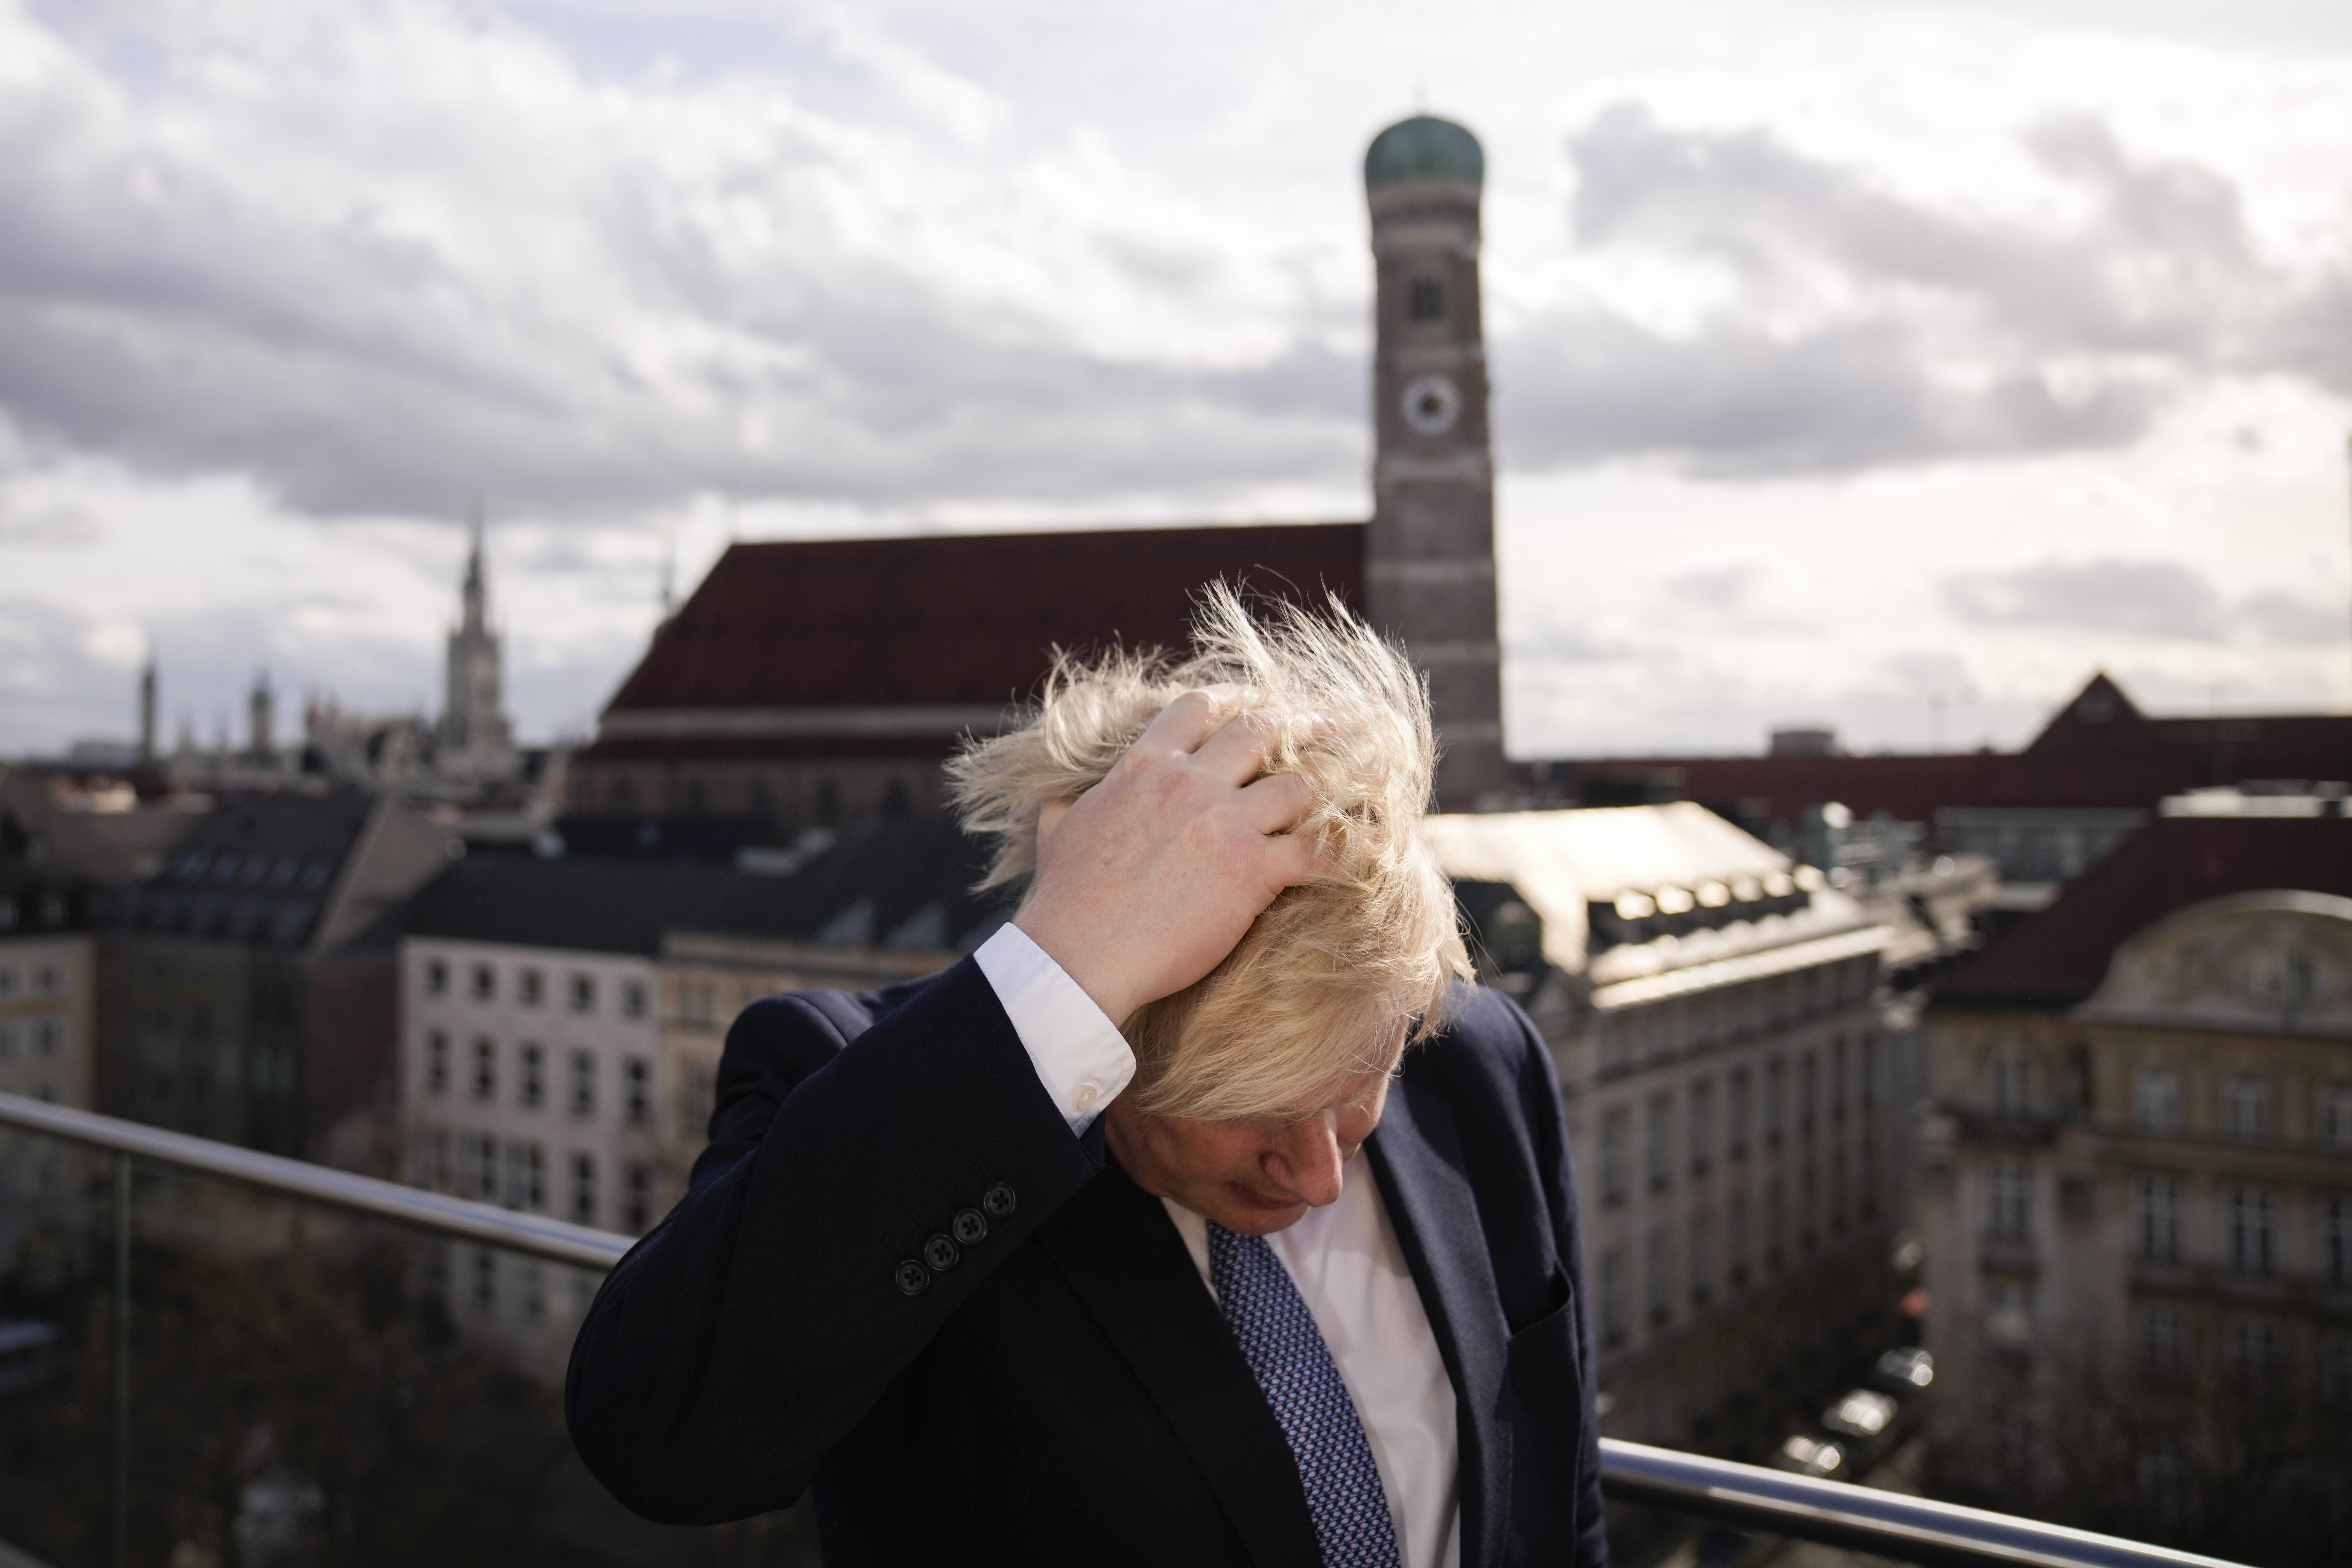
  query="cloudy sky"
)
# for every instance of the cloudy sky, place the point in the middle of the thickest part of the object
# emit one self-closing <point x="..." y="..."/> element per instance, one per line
<point x="1893" y="366"/>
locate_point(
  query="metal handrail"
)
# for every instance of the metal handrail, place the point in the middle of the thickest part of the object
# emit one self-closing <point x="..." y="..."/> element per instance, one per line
<point x="1748" y="1497"/>
<point x="1889" y="1524"/>
<point x="536" y="1235"/>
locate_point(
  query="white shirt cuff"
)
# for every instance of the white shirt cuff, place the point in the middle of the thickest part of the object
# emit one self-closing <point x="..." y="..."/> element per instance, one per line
<point x="1080" y="1056"/>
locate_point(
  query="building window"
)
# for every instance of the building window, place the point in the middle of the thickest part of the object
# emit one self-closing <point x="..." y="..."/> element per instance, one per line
<point x="2335" y="1371"/>
<point x="436" y="1063"/>
<point x="518" y="1173"/>
<point x="1837" y="1080"/>
<point x="1653" y="1270"/>
<point x="485" y="1277"/>
<point x="1735" y="1116"/>
<point x="2164" y="1344"/>
<point x="1837" y="1192"/>
<point x="2159" y="1202"/>
<point x="1701" y="1125"/>
<point x="532" y="1088"/>
<point x="637" y="1091"/>
<point x="1613" y="1157"/>
<point x="46" y="980"/>
<point x="485" y="1067"/>
<point x="2252" y="1353"/>
<point x="1808" y="1086"/>
<point x="438" y="1176"/>
<point x="1869" y="1150"/>
<point x="584" y="994"/>
<point x="2012" y="1083"/>
<point x="436" y="978"/>
<point x="700" y="1103"/>
<point x="484" y="1176"/>
<point x="633" y="998"/>
<point x="583" y="1084"/>
<point x="2009" y="1314"/>
<point x="2335" y="1239"/>
<point x="2246" y="1107"/>
<point x="486" y="983"/>
<point x="1612" y="1297"/>
<point x="2335" y="1118"/>
<point x="1735" y="1238"/>
<point x="1806" y="1196"/>
<point x="48" y="1036"/>
<point x="529" y="986"/>
<point x="640" y="1199"/>
<point x="1773" y="1077"/>
<point x="534" y="1291"/>
<point x="1428" y="299"/>
<point x="1658" y="1159"/>
<point x="1702" y="1276"/>
<point x="1775" y="1220"/>
<point x="2156" y="1099"/>
<point x="534" y="1193"/>
<point x="2008" y="1192"/>
<point x="2252" y="1218"/>
<point x="1866" y="1073"/>
<point x="583" y="1189"/>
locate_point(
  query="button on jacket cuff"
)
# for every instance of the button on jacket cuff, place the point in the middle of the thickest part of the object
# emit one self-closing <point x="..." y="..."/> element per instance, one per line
<point x="1080" y="1056"/>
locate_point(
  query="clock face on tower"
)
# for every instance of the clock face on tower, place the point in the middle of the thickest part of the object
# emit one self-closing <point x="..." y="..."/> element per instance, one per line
<point x="1432" y="403"/>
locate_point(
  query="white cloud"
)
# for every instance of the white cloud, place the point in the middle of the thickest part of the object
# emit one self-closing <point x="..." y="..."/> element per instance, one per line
<point x="284" y="285"/>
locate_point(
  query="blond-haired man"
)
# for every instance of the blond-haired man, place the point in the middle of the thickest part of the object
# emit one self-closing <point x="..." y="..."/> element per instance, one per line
<point x="1205" y="1214"/>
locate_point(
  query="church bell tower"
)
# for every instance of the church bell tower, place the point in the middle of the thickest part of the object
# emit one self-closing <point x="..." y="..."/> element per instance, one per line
<point x="1429" y="562"/>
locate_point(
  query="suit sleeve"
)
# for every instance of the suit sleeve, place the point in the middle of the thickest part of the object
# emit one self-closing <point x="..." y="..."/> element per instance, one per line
<point x="1556" y="1170"/>
<point x="761" y="1321"/>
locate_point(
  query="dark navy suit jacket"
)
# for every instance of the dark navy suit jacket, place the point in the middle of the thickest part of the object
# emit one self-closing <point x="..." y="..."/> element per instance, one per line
<point x="1066" y="1391"/>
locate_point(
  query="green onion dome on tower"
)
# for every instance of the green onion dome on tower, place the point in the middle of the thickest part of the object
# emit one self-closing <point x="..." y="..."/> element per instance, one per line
<point x="1423" y="148"/>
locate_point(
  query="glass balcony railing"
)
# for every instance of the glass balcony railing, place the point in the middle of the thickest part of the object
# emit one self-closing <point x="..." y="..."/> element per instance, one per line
<point x="214" y="1358"/>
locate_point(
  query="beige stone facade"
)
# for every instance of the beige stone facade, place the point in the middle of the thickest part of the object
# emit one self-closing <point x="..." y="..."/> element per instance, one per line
<point x="707" y="981"/>
<point x="1736" y="1106"/>
<point x="2137" y="1213"/>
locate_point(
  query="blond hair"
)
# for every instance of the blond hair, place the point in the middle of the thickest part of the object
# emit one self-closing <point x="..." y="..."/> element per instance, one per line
<point x="1340" y="970"/>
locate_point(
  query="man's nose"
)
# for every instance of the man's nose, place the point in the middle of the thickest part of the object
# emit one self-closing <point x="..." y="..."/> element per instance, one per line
<point x="1305" y="1160"/>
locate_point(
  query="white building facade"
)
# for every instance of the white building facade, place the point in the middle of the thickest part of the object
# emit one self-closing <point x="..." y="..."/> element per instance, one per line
<point x="527" y="1079"/>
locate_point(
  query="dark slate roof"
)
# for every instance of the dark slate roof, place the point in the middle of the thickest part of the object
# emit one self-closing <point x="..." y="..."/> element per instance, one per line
<point x="947" y="620"/>
<point x="889" y="881"/>
<point x="258" y="869"/>
<point x="2059" y="956"/>
<point x="2098" y="750"/>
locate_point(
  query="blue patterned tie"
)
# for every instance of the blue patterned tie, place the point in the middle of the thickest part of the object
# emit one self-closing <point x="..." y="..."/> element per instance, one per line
<point x="1286" y="1354"/>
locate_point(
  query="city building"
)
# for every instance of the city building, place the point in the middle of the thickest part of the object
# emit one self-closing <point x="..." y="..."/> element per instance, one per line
<point x="475" y="743"/>
<point x="2136" y="1189"/>
<point x="246" y="989"/>
<point x="1736" y="1100"/>
<point x="808" y="684"/>
<point x="2095" y="772"/>
<point x="561" y="1021"/>
<point x="48" y="963"/>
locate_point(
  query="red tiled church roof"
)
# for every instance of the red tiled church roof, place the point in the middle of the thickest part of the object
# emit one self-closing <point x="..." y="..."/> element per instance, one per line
<point x="946" y="621"/>
<point x="2059" y="956"/>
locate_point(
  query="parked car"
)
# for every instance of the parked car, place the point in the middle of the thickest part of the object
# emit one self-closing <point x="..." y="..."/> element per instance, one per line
<point x="1903" y="1371"/>
<point x="1809" y="1458"/>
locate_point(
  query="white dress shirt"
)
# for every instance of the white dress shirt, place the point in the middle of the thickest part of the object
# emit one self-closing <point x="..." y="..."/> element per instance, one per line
<point x="1344" y="1258"/>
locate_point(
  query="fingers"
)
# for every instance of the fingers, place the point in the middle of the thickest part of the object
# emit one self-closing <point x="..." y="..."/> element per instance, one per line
<point x="1292" y="859"/>
<point x="1189" y="720"/>
<point x="1277" y="803"/>
<point x="1237" y="751"/>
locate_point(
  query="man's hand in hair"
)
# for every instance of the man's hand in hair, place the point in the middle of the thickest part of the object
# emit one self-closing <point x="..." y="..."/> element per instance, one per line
<point x="1145" y="882"/>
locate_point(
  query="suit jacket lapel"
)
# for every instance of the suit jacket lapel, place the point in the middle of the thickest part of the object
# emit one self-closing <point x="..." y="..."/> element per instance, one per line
<point x="1417" y="1157"/>
<point x="1115" y="1245"/>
